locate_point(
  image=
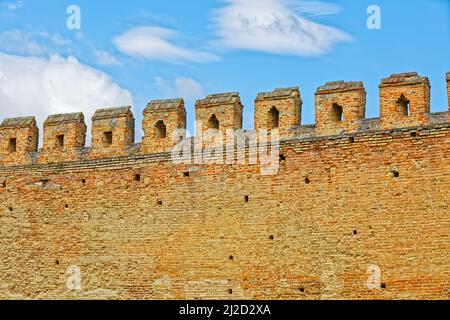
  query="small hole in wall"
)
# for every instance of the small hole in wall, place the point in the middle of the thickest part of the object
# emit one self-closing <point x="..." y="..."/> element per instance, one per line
<point x="60" y="141"/>
<point x="301" y="289"/>
<point x="246" y="199"/>
<point x="230" y="291"/>
<point x="383" y="286"/>
<point x="351" y="139"/>
<point x="3" y="185"/>
<point x="159" y="202"/>
<point x="137" y="177"/>
<point x="12" y="146"/>
<point x="395" y="173"/>
<point x="107" y="138"/>
<point x="66" y="206"/>
<point x="57" y="262"/>
<point x="186" y="174"/>
<point x="282" y="157"/>
<point x="83" y="181"/>
<point x="10" y="209"/>
<point x="355" y="232"/>
<point x="307" y="181"/>
<point x="413" y="134"/>
<point x="231" y="258"/>
<point x="271" y="237"/>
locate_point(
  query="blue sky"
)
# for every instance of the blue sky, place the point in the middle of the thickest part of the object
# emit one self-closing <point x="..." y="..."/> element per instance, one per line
<point x="135" y="51"/>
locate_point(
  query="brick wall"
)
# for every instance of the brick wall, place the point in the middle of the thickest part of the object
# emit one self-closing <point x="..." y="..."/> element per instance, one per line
<point x="138" y="227"/>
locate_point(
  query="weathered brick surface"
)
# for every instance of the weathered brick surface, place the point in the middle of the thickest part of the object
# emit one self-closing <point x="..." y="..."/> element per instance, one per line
<point x="448" y="90"/>
<point x="19" y="138"/>
<point x="407" y="87"/>
<point x="163" y="119"/>
<point x="226" y="108"/>
<point x="286" y="103"/>
<point x="338" y="205"/>
<point x="112" y="132"/>
<point x="64" y="136"/>
<point x="340" y="107"/>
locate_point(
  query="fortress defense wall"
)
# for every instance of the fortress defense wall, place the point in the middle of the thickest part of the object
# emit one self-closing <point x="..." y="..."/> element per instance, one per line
<point x="358" y="208"/>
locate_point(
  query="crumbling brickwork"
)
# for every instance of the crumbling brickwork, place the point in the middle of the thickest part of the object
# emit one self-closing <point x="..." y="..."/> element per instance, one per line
<point x="112" y="132"/>
<point x="404" y="100"/>
<point x="19" y="139"/>
<point x="340" y="107"/>
<point x="64" y="136"/>
<point x="448" y="90"/>
<point x="359" y="214"/>
<point x="280" y="109"/>
<point x="219" y="111"/>
<point x="163" y="119"/>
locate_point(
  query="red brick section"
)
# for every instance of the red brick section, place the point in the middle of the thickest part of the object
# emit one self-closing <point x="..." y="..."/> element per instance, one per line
<point x="398" y="90"/>
<point x="112" y="132"/>
<point x="284" y="105"/>
<point x="139" y="227"/>
<point x="64" y="137"/>
<point x="19" y="138"/>
<point x="162" y="120"/>
<point x="340" y="107"/>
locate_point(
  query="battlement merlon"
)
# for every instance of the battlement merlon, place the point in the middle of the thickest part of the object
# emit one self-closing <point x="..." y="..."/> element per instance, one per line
<point x="447" y="77"/>
<point x="219" y="111"/>
<point x="63" y="135"/>
<point x="404" y="100"/>
<point x="340" y="107"/>
<point x="279" y="109"/>
<point x="112" y="132"/>
<point x="162" y="119"/>
<point x="19" y="138"/>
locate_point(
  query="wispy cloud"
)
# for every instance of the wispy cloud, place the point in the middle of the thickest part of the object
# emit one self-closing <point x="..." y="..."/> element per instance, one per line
<point x="180" y="87"/>
<point x="156" y="43"/>
<point x="36" y="42"/>
<point x="313" y="8"/>
<point x="11" y="5"/>
<point x="276" y="26"/>
<point x="105" y="58"/>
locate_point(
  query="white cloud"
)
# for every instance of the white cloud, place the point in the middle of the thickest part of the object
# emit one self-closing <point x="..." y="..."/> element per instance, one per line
<point x="11" y="6"/>
<point x="314" y="8"/>
<point x="36" y="42"/>
<point x="276" y="26"/>
<point x="180" y="87"/>
<point x="41" y="87"/>
<point x="106" y="59"/>
<point x="155" y="43"/>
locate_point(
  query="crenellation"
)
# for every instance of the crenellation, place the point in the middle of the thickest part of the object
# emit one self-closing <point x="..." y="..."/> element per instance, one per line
<point x="19" y="139"/>
<point x="447" y="77"/>
<point x="64" y="136"/>
<point x="112" y="132"/>
<point x="162" y="119"/>
<point x="404" y="100"/>
<point x="340" y="107"/>
<point x="280" y="109"/>
<point x="218" y="112"/>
